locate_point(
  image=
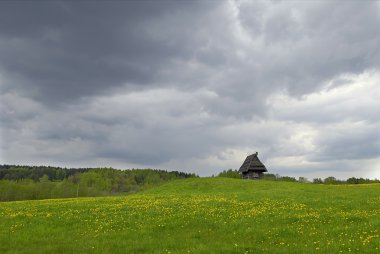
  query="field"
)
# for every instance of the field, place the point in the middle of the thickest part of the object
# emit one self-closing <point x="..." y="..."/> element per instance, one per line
<point x="201" y="215"/>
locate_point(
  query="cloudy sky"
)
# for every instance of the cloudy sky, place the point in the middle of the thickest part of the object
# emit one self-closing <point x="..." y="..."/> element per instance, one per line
<point x="194" y="86"/>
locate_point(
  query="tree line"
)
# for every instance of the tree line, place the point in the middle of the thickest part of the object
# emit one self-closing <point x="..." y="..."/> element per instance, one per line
<point x="41" y="182"/>
<point x="233" y="173"/>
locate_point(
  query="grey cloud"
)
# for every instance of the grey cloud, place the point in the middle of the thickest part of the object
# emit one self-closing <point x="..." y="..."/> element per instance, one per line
<point x="353" y="142"/>
<point x="144" y="130"/>
<point x="161" y="82"/>
<point x="309" y="43"/>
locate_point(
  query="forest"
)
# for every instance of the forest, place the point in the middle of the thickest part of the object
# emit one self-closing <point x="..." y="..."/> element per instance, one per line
<point x="42" y="182"/>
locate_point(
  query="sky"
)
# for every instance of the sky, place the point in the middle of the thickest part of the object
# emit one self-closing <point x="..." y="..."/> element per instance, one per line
<point x="193" y="86"/>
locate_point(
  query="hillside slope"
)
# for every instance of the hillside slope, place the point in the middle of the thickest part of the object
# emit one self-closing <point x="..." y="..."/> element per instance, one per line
<point x="201" y="215"/>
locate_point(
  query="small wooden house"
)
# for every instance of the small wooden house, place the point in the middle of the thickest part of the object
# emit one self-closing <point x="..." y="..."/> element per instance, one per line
<point x="252" y="168"/>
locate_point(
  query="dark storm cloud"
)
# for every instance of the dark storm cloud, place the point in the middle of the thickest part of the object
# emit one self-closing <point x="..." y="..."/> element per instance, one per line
<point x="65" y="50"/>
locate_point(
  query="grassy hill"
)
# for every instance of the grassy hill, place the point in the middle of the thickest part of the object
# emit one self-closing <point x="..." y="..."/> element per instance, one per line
<point x="201" y="215"/>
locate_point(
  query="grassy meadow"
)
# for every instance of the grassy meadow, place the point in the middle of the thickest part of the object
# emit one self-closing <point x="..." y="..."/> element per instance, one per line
<point x="201" y="215"/>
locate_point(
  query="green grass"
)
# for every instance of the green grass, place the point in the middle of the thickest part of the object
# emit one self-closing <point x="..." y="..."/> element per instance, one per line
<point x="204" y="215"/>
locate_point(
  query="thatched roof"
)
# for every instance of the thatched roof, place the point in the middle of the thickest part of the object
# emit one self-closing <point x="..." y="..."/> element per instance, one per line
<point x="252" y="163"/>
